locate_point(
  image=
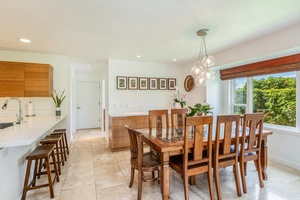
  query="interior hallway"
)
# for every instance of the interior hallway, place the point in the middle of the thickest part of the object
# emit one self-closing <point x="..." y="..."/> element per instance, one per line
<point x="93" y="172"/>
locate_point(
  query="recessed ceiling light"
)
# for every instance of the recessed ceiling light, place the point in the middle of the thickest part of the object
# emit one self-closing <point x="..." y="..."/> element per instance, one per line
<point x="174" y="59"/>
<point x="25" y="40"/>
<point x="138" y="56"/>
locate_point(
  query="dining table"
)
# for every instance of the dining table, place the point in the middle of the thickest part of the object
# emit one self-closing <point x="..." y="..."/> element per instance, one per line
<point x="169" y="142"/>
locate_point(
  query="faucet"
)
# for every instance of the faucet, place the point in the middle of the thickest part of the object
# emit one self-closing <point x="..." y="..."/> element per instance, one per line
<point x="20" y="119"/>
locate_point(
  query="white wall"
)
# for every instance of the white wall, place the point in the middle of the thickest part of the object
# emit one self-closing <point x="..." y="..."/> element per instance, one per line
<point x="121" y="101"/>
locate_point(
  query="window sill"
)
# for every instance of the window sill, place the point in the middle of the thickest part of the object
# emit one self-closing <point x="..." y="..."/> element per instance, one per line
<point x="282" y="129"/>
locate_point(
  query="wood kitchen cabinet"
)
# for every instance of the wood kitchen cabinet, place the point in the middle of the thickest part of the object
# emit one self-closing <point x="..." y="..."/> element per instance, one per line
<point x="18" y="79"/>
<point x="38" y="80"/>
<point x="118" y="135"/>
<point x="11" y="79"/>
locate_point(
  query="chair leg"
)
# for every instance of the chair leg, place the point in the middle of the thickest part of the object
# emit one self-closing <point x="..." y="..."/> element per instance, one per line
<point x="242" y="169"/>
<point x="217" y="182"/>
<point x="210" y="183"/>
<point x="186" y="187"/>
<point x="140" y="184"/>
<point x="245" y="167"/>
<point x="131" y="177"/>
<point x="49" y="177"/>
<point x="261" y="182"/>
<point x="26" y="180"/>
<point x="237" y="180"/>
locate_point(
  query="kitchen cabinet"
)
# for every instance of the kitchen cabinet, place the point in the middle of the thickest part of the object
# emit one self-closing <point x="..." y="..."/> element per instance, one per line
<point x="118" y="136"/>
<point x="11" y="79"/>
<point x="18" y="79"/>
<point x="38" y="80"/>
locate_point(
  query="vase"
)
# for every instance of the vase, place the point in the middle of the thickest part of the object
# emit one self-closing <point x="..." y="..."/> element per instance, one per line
<point x="177" y="105"/>
<point x="58" y="111"/>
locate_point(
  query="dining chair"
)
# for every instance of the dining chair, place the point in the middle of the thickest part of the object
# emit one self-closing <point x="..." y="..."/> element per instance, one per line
<point x="178" y="116"/>
<point x="251" y="145"/>
<point x="196" y="158"/>
<point x="226" y="149"/>
<point x="142" y="162"/>
<point x="158" y="119"/>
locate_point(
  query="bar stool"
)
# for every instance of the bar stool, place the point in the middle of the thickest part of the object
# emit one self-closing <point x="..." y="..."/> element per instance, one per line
<point x="37" y="155"/>
<point x="56" y="140"/>
<point x="64" y="133"/>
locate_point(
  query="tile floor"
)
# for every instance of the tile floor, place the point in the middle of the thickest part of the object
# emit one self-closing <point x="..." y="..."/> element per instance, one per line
<point x="93" y="172"/>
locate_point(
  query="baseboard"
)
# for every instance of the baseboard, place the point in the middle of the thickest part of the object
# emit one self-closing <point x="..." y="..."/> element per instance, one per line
<point x="285" y="162"/>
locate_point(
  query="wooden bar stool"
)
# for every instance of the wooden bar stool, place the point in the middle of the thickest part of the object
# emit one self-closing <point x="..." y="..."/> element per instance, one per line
<point x="37" y="155"/>
<point x="64" y="133"/>
<point x="56" y="140"/>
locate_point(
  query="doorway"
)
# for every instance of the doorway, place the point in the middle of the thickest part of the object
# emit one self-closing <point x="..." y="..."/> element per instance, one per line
<point x="88" y="105"/>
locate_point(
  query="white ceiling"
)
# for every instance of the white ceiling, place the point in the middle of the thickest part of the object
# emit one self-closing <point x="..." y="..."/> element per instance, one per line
<point x="92" y="31"/>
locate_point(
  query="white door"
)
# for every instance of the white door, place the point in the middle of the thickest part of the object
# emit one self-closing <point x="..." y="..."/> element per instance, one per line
<point x="88" y="105"/>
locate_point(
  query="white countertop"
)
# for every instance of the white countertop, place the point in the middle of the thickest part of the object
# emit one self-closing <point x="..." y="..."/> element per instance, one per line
<point x="28" y="132"/>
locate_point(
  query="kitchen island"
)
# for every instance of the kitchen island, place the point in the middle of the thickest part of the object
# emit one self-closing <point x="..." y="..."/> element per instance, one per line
<point x="16" y="142"/>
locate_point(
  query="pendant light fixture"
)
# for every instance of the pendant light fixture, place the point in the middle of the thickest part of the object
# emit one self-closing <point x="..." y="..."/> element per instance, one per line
<point x="201" y="72"/>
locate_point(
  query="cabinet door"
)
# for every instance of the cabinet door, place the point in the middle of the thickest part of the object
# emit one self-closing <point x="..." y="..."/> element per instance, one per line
<point x="11" y="79"/>
<point x="38" y="80"/>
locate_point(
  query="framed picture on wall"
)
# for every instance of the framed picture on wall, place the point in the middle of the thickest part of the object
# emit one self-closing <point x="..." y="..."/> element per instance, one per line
<point x="171" y="83"/>
<point x="153" y="83"/>
<point x="163" y="84"/>
<point x="121" y="82"/>
<point x="132" y="83"/>
<point x="143" y="83"/>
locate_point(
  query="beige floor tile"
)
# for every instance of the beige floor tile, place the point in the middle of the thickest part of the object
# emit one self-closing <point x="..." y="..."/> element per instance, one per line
<point x="119" y="192"/>
<point x="79" y="193"/>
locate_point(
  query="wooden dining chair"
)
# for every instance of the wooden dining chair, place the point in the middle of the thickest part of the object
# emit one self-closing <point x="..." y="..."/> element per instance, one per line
<point x="158" y="119"/>
<point x="178" y="117"/>
<point x="196" y="158"/>
<point x="251" y="145"/>
<point x="226" y="149"/>
<point x="142" y="162"/>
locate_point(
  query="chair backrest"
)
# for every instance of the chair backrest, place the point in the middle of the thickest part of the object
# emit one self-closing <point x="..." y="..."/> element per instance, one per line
<point x="136" y="149"/>
<point x="227" y="137"/>
<point x="178" y="117"/>
<point x="158" y="119"/>
<point x="201" y="127"/>
<point x="252" y="132"/>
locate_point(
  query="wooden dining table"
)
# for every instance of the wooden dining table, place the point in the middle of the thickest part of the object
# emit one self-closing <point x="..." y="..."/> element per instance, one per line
<point x="169" y="142"/>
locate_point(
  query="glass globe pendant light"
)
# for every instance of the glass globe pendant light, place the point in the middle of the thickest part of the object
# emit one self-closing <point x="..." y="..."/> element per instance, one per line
<point x="201" y="72"/>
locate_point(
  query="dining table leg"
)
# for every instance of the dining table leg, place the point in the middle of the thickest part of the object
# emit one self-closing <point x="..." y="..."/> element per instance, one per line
<point x="264" y="158"/>
<point x="165" y="175"/>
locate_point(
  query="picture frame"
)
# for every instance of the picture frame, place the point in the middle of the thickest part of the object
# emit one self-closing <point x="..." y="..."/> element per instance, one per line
<point x="143" y="83"/>
<point x="121" y="82"/>
<point x="171" y="83"/>
<point x="163" y="83"/>
<point x="153" y="84"/>
<point x="133" y="83"/>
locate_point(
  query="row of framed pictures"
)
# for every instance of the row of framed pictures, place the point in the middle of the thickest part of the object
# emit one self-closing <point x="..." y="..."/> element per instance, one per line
<point x="144" y="83"/>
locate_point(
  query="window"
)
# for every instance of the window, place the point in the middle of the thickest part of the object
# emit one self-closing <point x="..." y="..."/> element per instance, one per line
<point x="240" y="95"/>
<point x="273" y="94"/>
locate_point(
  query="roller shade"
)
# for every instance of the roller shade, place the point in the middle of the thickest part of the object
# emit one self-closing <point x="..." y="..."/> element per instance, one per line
<point x="273" y="66"/>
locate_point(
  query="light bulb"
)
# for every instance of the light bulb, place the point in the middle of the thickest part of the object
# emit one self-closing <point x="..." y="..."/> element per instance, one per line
<point x="200" y="80"/>
<point x="208" y="61"/>
<point x="197" y="70"/>
<point x="210" y="75"/>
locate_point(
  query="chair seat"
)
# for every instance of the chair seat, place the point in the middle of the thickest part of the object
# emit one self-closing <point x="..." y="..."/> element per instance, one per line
<point x="149" y="160"/>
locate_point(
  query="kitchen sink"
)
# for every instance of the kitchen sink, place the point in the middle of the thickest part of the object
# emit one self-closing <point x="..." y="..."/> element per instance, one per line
<point x="5" y="125"/>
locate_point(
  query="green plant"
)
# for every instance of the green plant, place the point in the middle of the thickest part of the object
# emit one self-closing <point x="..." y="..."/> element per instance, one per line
<point x="200" y="109"/>
<point x="58" y="99"/>
<point x="179" y="98"/>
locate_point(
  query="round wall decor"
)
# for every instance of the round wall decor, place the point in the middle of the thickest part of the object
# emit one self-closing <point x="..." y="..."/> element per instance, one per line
<point x="188" y="83"/>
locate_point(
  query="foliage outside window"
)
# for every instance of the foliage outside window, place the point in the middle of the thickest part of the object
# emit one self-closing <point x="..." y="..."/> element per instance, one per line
<point x="240" y="96"/>
<point x="275" y="95"/>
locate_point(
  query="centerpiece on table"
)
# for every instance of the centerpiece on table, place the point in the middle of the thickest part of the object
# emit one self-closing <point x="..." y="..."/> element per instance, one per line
<point x="58" y="101"/>
<point x="200" y="109"/>
<point x="178" y="99"/>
